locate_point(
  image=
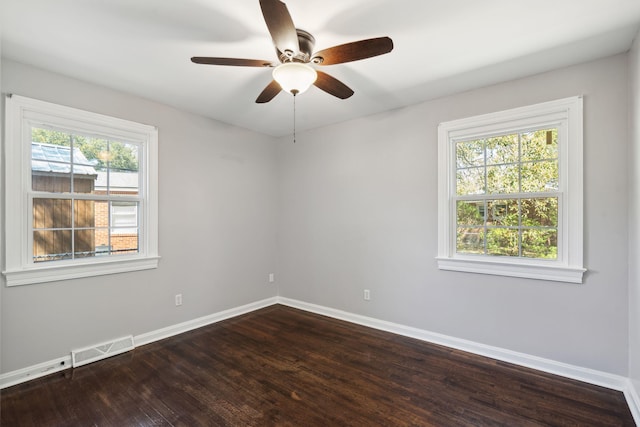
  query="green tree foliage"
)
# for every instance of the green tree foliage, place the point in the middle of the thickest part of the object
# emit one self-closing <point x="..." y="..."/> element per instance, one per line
<point x="508" y="165"/>
<point x="101" y="153"/>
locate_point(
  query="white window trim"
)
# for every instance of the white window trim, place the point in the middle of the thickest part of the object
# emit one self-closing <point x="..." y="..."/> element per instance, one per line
<point x="19" y="268"/>
<point x="567" y="114"/>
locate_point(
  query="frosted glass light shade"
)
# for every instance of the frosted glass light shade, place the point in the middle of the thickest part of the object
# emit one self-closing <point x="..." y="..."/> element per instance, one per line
<point x="294" y="77"/>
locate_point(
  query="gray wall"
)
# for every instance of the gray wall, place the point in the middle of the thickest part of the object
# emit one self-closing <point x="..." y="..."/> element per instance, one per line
<point x="353" y="206"/>
<point x="358" y="209"/>
<point x="217" y="231"/>
<point x="634" y="216"/>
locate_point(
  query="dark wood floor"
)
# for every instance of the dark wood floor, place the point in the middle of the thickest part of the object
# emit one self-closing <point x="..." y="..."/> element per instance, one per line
<point x="281" y="366"/>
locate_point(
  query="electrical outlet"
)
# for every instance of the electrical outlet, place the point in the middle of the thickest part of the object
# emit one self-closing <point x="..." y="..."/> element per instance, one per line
<point x="272" y="277"/>
<point x="178" y="299"/>
<point x="367" y="294"/>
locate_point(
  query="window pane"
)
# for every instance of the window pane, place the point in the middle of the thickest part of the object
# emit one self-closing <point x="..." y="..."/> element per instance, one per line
<point x="101" y="212"/>
<point x="88" y="163"/>
<point x="540" y="244"/>
<point x="84" y="243"/>
<point x="51" y="245"/>
<point x="470" y="213"/>
<point x="51" y="163"/>
<point x="502" y="212"/>
<point x="123" y="157"/>
<point x="470" y="153"/>
<point x="84" y="213"/>
<point x="539" y="145"/>
<point x="470" y="181"/>
<point x="540" y="212"/>
<point x="123" y="243"/>
<point x="502" y="179"/>
<point x="123" y="168"/>
<point x="540" y="176"/>
<point x="502" y="149"/>
<point x="470" y="240"/>
<point x="84" y="171"/>
<point x="51" y="213"/>
<point x="502" y="241"/>
<point x="84" y="165"/>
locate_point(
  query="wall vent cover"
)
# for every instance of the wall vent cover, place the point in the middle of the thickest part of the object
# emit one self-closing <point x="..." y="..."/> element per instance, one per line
<point x="101" y="351"/>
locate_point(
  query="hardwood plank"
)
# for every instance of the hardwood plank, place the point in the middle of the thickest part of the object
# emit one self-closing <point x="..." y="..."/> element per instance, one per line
<point x="281" y="366"/>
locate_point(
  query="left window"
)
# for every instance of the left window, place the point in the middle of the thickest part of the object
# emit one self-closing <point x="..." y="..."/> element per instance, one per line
<point x="81" y="193"/>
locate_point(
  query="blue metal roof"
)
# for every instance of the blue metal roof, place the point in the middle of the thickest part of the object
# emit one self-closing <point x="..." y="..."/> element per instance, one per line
<point x="57" y="159"/>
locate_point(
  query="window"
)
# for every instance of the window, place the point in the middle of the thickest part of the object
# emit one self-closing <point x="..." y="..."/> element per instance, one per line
<point x="510" y="192"/>
<point x="81" y="193"/>
<point x="124" y="217"/>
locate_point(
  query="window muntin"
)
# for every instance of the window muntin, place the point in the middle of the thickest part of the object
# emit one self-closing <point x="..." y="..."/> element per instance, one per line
<point x="510" y="192"/>
<point x="67" y="172"/>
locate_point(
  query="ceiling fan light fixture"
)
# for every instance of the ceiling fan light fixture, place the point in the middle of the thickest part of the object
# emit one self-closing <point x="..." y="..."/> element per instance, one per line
<point x="294" y="77"/>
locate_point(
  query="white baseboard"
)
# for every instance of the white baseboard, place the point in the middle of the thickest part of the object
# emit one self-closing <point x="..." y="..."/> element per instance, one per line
<point x="36" y="371"/>
<point x="190" y="325"/>
<point x="615" y="382"/>
<point x="633" y="400"/>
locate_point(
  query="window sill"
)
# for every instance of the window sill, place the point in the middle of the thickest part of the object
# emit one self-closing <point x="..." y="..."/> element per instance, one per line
<point x="52" y="273"/>
<point x="501" y="268"/>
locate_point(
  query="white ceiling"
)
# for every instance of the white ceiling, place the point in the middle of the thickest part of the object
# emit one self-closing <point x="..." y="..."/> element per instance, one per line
<point x="441" y="47"/>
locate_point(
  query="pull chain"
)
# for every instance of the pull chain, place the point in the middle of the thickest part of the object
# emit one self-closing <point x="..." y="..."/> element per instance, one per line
<point x="294" y="117"/>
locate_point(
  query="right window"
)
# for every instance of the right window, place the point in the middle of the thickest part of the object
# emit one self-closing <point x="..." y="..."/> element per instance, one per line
<point x="510" y="192"/>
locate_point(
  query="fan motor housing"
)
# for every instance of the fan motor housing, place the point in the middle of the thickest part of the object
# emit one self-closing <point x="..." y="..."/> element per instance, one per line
<point x="306" y="43"/>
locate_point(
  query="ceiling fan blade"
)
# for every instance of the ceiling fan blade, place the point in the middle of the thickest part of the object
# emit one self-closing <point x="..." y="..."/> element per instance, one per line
<point x="269" y="92"/>
<point x="353" y="51"/>
<point x="280" y="25"/>
<point x="332" y="86"/>
<point x="232" y="61"/>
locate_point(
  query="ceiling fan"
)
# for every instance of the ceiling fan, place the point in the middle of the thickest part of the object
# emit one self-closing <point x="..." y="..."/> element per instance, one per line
<point x="294" y="48"/>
